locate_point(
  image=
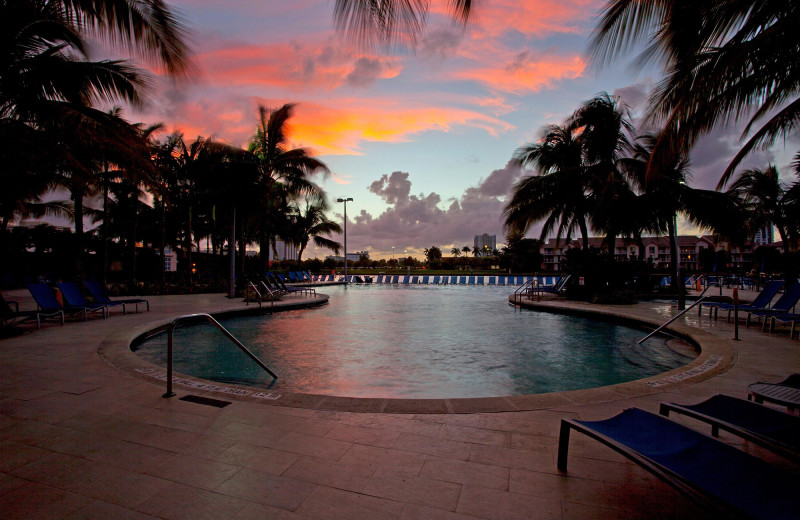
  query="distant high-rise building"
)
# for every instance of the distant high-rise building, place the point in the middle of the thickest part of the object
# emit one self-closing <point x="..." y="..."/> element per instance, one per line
<point x="485" y="244"/>
<point x="764" y="236"/>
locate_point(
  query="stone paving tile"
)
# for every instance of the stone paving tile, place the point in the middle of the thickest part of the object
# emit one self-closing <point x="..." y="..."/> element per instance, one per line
<point x="558" y="487"/>
<point x="263" y="488"/>
<point x="398" y="461"/>
<point x="511" y="458"/>
<point x="461" y="472"/>
<point x="413" y="490"/>
<point x="15" y="454"/>
<point x="259" y="435"/>
<point x="258" y="458"/>
<point x="350" y="477"/>
<point x="333" y="504"/>
<point x="474" y="435"/>
<point x="37" y="501"/>
<point x="181" y="502"/>
<point x="134" y="457"/>
<point x="197" y="472"/>
<point x="502" y="505"/>
<point x="99" y="510"/>
<point x="92" y="479"/>
<point x="415" y="512"/>
<point x="30" y="432"/>
<point x="81" y="444"/>
<point x="313" y="446"/>
<point x="262" y="512"/>
<point x="10" y="483"/>
<point x="572" y="511"/>
<point x="362" y="435"/>
<point x="450" y="449"/>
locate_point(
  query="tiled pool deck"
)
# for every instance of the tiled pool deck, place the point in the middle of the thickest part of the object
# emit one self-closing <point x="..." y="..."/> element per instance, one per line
<point x="80" y="438"/>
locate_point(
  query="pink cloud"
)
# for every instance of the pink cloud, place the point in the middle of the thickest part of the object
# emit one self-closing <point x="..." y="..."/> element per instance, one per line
<point x="293" y="65"/>
<point x="525" y="72"/>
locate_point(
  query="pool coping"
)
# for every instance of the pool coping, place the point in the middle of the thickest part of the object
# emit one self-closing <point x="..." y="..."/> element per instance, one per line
<point x="716" y="356"/>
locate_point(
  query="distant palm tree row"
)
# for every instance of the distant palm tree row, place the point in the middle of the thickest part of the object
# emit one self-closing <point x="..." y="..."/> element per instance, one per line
<point x="166" y="191"/>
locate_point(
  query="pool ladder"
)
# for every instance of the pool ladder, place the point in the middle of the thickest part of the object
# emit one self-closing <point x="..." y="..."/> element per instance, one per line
<point x="198" y="317"/>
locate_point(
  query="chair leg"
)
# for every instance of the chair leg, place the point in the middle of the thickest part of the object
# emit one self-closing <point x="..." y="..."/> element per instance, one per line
<point x="563" y="446"/>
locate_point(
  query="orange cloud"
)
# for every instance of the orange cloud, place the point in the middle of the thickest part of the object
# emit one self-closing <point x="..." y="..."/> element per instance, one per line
<point x="341" y="131"/>
<point x="525" y="73"/>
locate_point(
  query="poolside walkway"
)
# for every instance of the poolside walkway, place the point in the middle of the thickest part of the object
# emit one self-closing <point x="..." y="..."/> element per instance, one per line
<point x="80" y="439"/>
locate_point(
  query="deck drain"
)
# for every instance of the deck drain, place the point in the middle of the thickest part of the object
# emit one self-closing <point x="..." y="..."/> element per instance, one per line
<point x="205" y="400"/>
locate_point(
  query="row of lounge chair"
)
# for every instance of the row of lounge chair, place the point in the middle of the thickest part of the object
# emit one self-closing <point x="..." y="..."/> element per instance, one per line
<point x="782" y="311"/>
<point x="719" y="476"/>
<point x="271" y="287"/>
<point x="73" y="303"/>
<point x="434" y="279"/>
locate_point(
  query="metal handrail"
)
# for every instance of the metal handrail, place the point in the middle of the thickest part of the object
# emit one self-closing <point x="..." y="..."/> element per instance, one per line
<point x="684" y="311"/>
<point x="195" y="317"/>
<point x="524" y="287"/>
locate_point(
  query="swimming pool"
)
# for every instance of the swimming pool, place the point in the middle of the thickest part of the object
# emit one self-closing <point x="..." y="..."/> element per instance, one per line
<point x="421" y="342"/>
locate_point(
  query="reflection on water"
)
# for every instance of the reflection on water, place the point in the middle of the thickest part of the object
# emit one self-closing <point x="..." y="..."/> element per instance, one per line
<point x="421" y="342"/>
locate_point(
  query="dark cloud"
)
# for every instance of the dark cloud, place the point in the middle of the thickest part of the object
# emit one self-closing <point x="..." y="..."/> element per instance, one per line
<point x="439" y="43"/>
<point x="499" y="182"/>
<point x="394" y="188"/>
<point x="365" y="72"/>
<point x="424" y="220"/>
<point x="713" y="152"/>
<point x="635" y="96"/>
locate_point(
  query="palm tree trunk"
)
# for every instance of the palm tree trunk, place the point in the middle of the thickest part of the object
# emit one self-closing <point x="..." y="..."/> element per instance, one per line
<point x="584" y="234"/>
<point x="674" y="259"/>
<point x="105" y="224"/>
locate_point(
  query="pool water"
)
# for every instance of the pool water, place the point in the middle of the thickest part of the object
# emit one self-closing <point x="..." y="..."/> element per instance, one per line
<point x="421" y="342"/>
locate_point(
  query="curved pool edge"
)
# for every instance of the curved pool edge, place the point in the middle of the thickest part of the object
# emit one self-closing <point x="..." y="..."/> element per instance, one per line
<point x="716" y="356"/>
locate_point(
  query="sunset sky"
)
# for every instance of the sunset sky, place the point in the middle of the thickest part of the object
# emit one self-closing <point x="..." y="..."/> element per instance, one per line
<point x="421" y="140"/>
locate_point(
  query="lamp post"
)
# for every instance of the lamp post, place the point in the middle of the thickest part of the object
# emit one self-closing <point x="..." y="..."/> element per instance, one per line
<point x="345" y="200"/>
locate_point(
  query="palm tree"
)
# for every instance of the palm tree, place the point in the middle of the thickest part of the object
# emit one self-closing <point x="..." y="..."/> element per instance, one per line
<point x="766" y="200"/>
<point x="284" y="172"/>
<point x="605" y="126"/>
<point x="577" y="177"/>
<point x="556" y="193"/>
<point x="312" y="224"/>
<point x="387" y="22"/>
<point x="466" y="250"/>
<point x="723" y="61"/>
<point x="456" y="252"/>
<point x="662" y="198"/>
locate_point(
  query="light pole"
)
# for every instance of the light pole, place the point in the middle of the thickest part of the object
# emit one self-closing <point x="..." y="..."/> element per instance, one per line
<point x="345" y="200"/>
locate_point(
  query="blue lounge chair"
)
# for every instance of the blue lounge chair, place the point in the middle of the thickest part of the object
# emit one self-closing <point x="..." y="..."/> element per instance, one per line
<point x="557" y="288"/>
<point x="773" y="429"/>
<point x="784" y="305"/>
<point x="9" y="316"/>
<point x="425" y="279"/>
<point x="785" y="393"/>
<point x="491" y="280"/>
<point x="462" y="280"/>
<point x="760" y="302"/>
<point x="98" y="292"/>
<point x="75" y="300"/>
<point x="436" y="280"/>
<point x="718" y="476"/>
<point x="47" y="302"/>
<point x="414" y="279"/>
<point x="395" y="279"/>
<point x="792" y="319"/>
<point x="501" y="280"/>
<point x="479" y="280"/>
